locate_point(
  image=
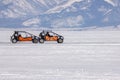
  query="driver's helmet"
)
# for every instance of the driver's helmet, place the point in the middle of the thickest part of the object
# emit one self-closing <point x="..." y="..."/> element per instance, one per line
<point x="19" y="35"/>
<point x="42" y="34"/>
<point x="16" y="34"/>
<point x="47" y="33"/>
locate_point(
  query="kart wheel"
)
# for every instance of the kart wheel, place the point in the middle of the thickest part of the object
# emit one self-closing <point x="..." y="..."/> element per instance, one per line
<point x="35" y="40"/>
<point x="60" y="40"/>
<point x="14" y="41"/>
<point x="41" y="41"/>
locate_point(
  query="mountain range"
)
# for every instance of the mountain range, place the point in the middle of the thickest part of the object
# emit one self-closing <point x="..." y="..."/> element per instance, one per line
<point x="59" y="13"/>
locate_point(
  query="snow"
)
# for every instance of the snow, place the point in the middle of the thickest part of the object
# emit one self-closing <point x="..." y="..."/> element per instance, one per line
<point x="17" y="8"/>
<point x="108" y="12"/>
<point x="6" y="1"/>
<point x="84" y="55"/>
<point x="111" y="2"/>
<point x="40" y="1"/>
<point x="21" y="8"/>
<point x="59" y="8"/>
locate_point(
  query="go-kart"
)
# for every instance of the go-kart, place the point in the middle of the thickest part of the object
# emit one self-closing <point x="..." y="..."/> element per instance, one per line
<point x="50" y="36"/>
<point x="23" y="36"/>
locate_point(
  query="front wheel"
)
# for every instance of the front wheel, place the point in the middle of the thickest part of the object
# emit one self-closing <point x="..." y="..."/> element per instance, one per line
<point x="35" y="40"/>
<point x="60" y="40"/>
<point x="14" y="40"/>
<point x="41" y="40"/>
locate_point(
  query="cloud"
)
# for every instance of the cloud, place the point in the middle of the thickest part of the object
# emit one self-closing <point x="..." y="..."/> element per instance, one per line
<point x="75" y="21"/>
<point x="106" y="19"/>
<point x="32" y="22"/>
<point x="102" y="9"/>
<point x="71" y="9"/>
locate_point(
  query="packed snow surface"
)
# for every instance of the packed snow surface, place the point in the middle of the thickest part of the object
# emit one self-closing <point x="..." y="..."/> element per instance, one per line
<point x="84" y="55"/>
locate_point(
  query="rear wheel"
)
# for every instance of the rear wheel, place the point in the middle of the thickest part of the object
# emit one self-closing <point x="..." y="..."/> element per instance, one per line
<point x="41" y="40"/>
<point x="35" y="40"/>
<point x="14" y="41"/>
<point x="60" y="40"/>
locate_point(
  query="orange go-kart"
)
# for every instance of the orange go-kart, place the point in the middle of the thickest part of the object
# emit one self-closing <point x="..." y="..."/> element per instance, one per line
<point x="23" y="36"/>
<point x="50" y="36"/>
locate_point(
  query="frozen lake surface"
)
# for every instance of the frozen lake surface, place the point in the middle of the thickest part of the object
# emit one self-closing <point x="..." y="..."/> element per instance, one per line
<point x="84" y="55"/>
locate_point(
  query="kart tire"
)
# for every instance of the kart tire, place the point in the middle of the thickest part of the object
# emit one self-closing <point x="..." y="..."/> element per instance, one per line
<point x="60" y="40"/>
<point x="35" y="40"/>
<point x="13" y="40"/>
<point x="41" y="40"/>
